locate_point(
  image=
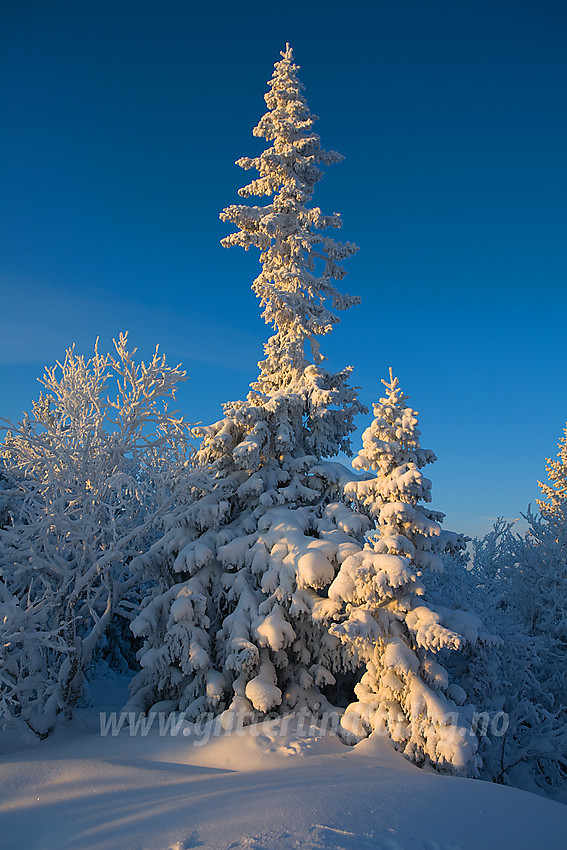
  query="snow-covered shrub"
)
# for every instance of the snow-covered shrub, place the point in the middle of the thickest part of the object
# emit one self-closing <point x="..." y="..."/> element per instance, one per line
<point x="91" y="473"/>
<point x="530" y="574"/>
<point x="544" y="560"/>
<point x="5" y="487"/>
<point x="541" y="605"/>
<point x="510" y="674"/>
<point x="389" y="626"/>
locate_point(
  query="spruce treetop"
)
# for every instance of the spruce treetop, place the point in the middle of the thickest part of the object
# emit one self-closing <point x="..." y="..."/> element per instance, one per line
<point x="554" y="504"/>
<point x="299" y="261"/>
<point x="394" y="432"/>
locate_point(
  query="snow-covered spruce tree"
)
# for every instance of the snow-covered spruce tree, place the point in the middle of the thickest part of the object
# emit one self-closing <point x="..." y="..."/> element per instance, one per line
<point x="553" y="506"/>
<point x="544" y="555"/>
<point x="388" y="627"/>
<point x="92" y="472"/>
<point x="239" y="622"/>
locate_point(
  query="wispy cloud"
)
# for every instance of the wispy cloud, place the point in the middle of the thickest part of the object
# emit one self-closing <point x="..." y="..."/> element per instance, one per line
<point x="39" y="322"/>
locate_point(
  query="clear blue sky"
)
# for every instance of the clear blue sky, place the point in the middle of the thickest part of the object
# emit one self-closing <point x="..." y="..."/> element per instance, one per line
<point x="121" y="122"/>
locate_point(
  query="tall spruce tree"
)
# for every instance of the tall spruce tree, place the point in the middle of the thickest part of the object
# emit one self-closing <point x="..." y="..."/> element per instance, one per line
<point x="299" y="260"/>
<point x="252" y="570"/>
<point x="238" y="620"/>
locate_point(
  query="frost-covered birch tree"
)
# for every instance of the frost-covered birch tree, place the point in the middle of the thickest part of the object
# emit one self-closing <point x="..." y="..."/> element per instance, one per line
<point x="506" y="674"/>
<point x="540" y="600"/>
<point x="240" y="619"/>
<point x="539" y="591"/>
<point x="91" y="472"/>
<point x="388" y="627"/>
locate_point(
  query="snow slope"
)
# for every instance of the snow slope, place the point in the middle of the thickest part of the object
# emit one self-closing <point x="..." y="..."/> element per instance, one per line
<point x="260" y="788"/>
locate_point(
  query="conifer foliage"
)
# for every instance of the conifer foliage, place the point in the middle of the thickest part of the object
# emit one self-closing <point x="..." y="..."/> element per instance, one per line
<point x="554" y="504"/>
<point x="266" y="549"/>
<point x="299" y="259"/>
<point x="239" y="619"/>
<point x="388" y="626"/>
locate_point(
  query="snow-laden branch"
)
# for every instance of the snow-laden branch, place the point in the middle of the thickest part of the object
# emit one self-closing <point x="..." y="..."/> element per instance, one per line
<point x="91" y="473"/>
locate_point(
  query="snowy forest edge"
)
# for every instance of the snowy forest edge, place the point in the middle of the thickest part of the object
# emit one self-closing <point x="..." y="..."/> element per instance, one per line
<point x="240" y="570"/>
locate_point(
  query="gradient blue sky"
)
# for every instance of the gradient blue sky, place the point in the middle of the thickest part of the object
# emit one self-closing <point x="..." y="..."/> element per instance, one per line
<point x="121" y="124"/>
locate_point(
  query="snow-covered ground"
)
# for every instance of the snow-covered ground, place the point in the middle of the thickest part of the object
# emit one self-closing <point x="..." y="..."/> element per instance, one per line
<point x="261" y="788"/>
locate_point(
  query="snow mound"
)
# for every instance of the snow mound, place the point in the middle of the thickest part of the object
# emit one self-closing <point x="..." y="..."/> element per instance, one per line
<point x="283" y="783"/>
